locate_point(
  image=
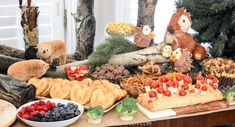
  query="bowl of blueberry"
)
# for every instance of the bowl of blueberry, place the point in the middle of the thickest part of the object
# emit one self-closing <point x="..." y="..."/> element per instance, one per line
<point x="50" y="112"/>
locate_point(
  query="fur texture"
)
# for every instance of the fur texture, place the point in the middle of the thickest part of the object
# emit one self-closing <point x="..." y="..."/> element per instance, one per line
<point x="178" y="37"/>
<point x="24" y="70"/>
<point x="52" y="50"/>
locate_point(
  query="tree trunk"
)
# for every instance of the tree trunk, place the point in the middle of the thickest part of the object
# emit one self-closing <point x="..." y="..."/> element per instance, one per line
<point x="29" y="15"/>
<point x="6" y="61"/>
<point x="85" y="29"/>
<point x="13" y="52"/>
<point x="146" y="10"/>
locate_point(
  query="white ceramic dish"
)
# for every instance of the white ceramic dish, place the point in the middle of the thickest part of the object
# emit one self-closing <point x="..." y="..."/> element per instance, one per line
<point x="7" y="113"/>
<point x="52" y="124"/>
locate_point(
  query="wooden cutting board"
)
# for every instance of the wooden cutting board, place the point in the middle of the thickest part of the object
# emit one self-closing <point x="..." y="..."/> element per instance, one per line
<point x="7" y="113"/>
<point x="201" y="107"/>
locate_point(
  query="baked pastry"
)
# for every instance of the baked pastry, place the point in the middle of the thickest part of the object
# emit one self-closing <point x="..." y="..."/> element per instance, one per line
<point x="60" y="90"/>
<point x="168" y="93"/>
<point x="81" y="94"/>
<point x="102" y="97"/>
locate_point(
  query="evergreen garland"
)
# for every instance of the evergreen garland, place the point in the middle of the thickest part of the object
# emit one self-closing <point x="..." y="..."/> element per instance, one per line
<point x="214" y="20"/>
<point x="111" y="46"/>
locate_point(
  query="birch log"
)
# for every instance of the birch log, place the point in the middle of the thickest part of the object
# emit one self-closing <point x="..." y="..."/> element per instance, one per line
<point x="146" y="10"/>
<point x="139" y="57"/>
<point x="6" y="61"/>
<point x="85" y="29"/>
<point x="29" y="15"/>
<point x="10" y="51"/>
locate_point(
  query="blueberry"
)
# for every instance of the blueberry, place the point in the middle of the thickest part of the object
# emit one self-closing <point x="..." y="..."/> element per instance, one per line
<point x="50" y="120"/>
<point x="36" y="119"/>
<point x="44" y="120"/>
<point x="60" y="119"/>
<point x="57" y="114"/>
<point x="77" y="112"/>
<point x="53" y="114"/>
<point x="67" y="117"/>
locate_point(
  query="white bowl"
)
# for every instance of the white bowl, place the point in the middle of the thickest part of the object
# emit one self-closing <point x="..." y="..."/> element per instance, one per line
<point x="56" y="123"/>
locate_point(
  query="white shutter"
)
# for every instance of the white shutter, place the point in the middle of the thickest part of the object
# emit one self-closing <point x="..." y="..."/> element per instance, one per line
<point x="50" y="21"/>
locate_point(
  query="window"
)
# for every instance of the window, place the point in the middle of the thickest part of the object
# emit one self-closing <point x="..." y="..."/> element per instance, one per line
<point x="50" y="22"/>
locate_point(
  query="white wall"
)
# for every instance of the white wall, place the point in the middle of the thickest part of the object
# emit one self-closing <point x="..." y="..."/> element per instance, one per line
<point x="104" y="13"/>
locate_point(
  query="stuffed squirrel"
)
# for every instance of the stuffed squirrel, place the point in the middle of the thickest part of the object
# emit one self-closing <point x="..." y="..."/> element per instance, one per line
<point x="50" y="52"/>
<point x="24" y="70"/>
<point x="178" y="37"/>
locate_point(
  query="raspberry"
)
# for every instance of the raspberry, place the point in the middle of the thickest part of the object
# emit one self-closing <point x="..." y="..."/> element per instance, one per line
<point x="25" y="116"/>
<point x="41" y="103"/>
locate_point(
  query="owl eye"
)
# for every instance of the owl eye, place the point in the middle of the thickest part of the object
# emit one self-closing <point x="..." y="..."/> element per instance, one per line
<point x="183" y="20"/>
<point x="47" y="49"/>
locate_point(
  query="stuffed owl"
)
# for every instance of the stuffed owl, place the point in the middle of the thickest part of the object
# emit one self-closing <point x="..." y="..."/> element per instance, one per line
<point x="166" y="51"/>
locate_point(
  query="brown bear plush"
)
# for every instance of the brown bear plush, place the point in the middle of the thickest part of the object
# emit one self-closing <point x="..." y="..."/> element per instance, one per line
<point x="24" y="70"/>
<point x="48" y="51"/>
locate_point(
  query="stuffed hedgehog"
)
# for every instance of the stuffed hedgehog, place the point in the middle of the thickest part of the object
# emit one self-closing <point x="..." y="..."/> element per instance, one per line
<point x="24" y="70"/>
<point x="48" y="51"/>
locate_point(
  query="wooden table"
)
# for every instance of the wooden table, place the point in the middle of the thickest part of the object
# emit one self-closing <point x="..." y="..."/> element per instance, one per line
<point x="201" y="119"/>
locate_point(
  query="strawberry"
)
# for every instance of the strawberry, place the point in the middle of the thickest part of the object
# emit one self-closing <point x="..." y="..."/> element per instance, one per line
<point x="204" y="88"/>
<point x="179" y="77"/>
<point x="211" y="84"/>
<point x="159" y="84"/>
<point x="175" y="84"/>
<point x="185" y="87"/>
<point x="163" y="79"/>
<point x="203" y="81"/>
<point x="160" y="90"/>
<point x="83" y="67"/>
<point x="188" y="79"/>
<point x="169" y="83"/>
<point x="152" y="94"/>
<point x="150" y="101"/>
<point x="199" y="77"/>
<point x="192" y="91"/>
<point x="214" y="87"/>
<point x="211" y="77"/>
<point x="182" y="92"/>
<point x="198" y="86"/>
<point x="167" y="93"/>
<point x="215" y="80"/>
<point x="149" y="83"/>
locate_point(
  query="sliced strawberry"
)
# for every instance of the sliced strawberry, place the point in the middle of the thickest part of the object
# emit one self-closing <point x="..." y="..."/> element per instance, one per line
<point x="149" y="83"/>
<point x="160" y="90"/>
<point x="167" y="93"/>
<point x="197" y="86"/>
<point x="84" y="67"/>
<point x="182" y="92"/>
<point x="152" y="94"/>
<point x="73" y="68"/>
<point x="204" y="88"/>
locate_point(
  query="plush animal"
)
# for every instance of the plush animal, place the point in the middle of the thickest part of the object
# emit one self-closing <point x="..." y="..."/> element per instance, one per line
<point x="166" y="51"/>
<point x="51" y="50"/>
<point x="182" y="60"/>
<point x="48" y="51"/>
<point x="178" y="37"/>
<point x="24" y="70"/>
<point x="143" y="36"/>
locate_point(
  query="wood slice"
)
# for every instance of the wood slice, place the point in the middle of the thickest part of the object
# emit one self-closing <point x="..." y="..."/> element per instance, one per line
<point x="201" y="107"/>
